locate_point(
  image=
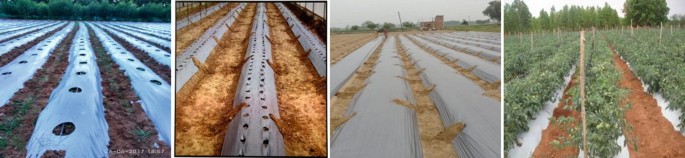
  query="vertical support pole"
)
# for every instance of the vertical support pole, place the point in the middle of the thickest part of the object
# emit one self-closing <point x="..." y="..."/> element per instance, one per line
<point x="582" y="90"/>
<point x="531" y="41"/>
<point x="661" y="32"/>
<point x="631" y="28"/>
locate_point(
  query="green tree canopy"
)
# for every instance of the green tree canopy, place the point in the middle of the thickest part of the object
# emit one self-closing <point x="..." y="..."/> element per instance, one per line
<point x="646" y="12"/>
<point x="493" y="10"/>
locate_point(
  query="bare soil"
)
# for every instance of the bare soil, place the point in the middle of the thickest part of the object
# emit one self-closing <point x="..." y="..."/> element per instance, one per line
<point x="301" y="92"/>
<point x="343" y="45"/>
<point x="655" y="136"/>
<point x="122" y="111"/>
<point x="34" y="96"/>
<point x="189" y="34"/>
<point x="554" y="132"/>
<point x="162" y="71"/>
<point x="202" y="117"/>
<point x="16" y="52"/>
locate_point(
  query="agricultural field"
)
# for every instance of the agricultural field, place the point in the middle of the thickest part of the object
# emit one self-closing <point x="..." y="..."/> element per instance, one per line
<point x="250" y="81"/>
<point x="84" y="89"/>
<point x="437" y="92"/>
<point x="632" y="106"/>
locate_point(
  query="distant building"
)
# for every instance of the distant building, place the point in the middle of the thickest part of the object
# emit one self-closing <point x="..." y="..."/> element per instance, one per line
<point x="438" y="23"/>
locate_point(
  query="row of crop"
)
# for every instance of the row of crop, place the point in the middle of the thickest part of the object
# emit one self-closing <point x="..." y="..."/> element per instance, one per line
<point x="520" y="58"/>
<point x="660" y="66"/>
<point x="604" y="115"/>
<point x="526" y="95"/>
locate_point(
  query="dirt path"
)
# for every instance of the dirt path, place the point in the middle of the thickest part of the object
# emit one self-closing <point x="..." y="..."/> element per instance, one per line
<point x="301" y="92"/>
<point x="553" y="132"/>
<point x="189" y="34"/>
<point x="122" y="111"/>
<point x="202" y="117"/>
<point x="655" y="135"/>
<point x="18" y="117"/>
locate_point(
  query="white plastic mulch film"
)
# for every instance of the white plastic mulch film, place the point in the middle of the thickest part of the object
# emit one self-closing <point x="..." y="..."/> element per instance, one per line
<point x="14" y="74"/>
<point x="73" y="119"/>
<point x="252" y="132"/>
<point x="380" y="128"/>
<point x="203" y="46"/>
<point x="153" y="91"/>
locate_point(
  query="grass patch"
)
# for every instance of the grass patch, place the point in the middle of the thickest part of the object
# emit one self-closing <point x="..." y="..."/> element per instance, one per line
<point x="141" y="134"/>
<point x="480" y="28"/>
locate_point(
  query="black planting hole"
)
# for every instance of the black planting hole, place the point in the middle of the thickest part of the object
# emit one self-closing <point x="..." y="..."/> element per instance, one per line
<point x="261" y="92"/>
<point x="6" y="73"/>
<point x="246" y="115"/>
<point x="80" y="73"/>
<point x="247" y="97"/>
<point x="82" y="49"/>
<point x="242" y="139"/>
<point x="263" y="107"/>
<point x="129" y="59"/>
<point x="266" y="129"/>
<point x="249" y="78"/>
<point x="265" y="117"/>
<point x="82" y="54"/>
<point x="123" y="52"/>
<point x="83" y="62"/>
<point x="23" y="62"/>
<point x="157" y="50"/>
<point x="245" y="126"/>
<point x="75" y="90"/>
<point x="40" y="48"/>
<point x="166" y="55"/>
<point x="34" y="54"/>
<point x="265" y="142"/>
<point x="64" y="129"/>
<point x="140" y="69"/>
<point x="156" y="82"/>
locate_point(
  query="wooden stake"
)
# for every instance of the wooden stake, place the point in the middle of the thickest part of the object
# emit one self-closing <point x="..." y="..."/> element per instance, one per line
<point x="531" y="41"/>
<point x="582" y="90"/>
<point x="631" y="28"/>
<point x="661" y="31"/>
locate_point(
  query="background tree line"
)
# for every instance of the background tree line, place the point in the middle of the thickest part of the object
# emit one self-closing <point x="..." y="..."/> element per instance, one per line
<point x="518" y="18"/>
<point x="107" y="10"/>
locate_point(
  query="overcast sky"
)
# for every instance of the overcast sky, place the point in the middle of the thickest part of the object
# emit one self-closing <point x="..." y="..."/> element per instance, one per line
<point x="355" y="12"/>
<point x="676" y="6"/>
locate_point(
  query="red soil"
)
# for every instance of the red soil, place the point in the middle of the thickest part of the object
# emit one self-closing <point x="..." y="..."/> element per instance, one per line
<point x="553" y="132"/>
<point x="655" y="136"/>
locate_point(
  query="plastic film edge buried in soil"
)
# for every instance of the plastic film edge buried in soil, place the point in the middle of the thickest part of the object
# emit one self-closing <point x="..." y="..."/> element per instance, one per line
<point x="315" y="48"/>
<point x="458" y="99"/>
<point x="148" y="86"/>
<point x="21" y="69"/>
<point x="180" y="24"/>
<point x="380" y="127"/>
<point x="73" y="119"/>
<point x="202" y="47"/>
